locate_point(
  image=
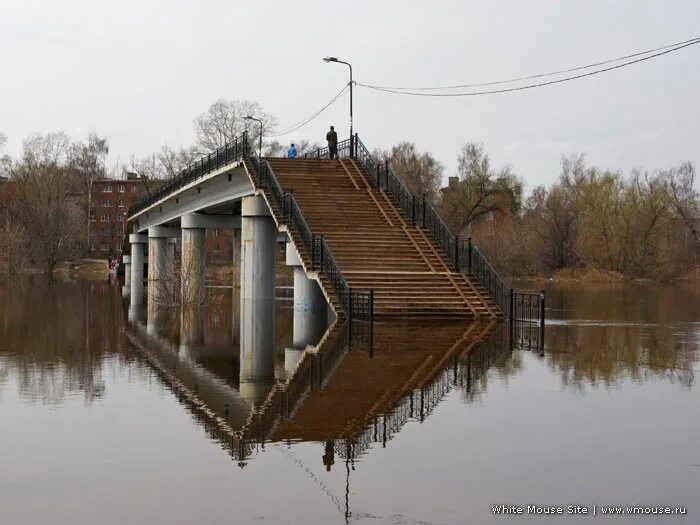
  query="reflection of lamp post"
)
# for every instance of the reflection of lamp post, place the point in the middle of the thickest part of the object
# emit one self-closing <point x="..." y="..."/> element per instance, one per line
<point x="334" y="59"/>
<point x="261" y="131"/>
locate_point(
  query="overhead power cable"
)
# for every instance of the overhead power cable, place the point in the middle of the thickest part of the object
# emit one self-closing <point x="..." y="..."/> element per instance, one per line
<point x="307" y="120"/>
<point x="402" y="91"/>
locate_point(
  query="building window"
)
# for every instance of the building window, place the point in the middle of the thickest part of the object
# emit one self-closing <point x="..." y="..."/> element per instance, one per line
<point x="216" y="247"/>
<point x="120" y="203"/>
<point x="92" y="247"/>
<point x="133" y="188"/>
<point x="122" y="188"/>
<point x="106" y="217"/>
<point x="120" y="229"/>
<point x="107" y="188"/>
<point x="106" y="203"/>
<point x="106" y="232"/>
<point x="104" y="247"/>
<point x="490" y="216"/>
<point x="92" y="216"/>
<point x="216" y="232"/>
<point x="120" y="217"/>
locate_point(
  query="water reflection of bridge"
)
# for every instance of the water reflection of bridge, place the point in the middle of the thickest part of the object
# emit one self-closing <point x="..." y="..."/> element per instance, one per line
<point x="336" y="394"/>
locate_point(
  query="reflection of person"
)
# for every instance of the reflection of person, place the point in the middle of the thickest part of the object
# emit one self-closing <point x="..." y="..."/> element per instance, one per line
<point x="292" y="152"/>
<point x="332" y="138"/>
<point x="329" y="456"/>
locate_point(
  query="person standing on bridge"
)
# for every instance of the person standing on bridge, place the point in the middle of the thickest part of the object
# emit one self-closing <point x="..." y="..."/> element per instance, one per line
<point x="292" y="152"/>
<point x="332" y="138"/>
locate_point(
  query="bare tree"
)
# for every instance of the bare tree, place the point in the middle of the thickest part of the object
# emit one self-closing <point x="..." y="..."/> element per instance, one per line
<point x="481" y="190"/>
<point x="684" y="197"/>
<point x="420" y="172"/>
<point x="224" y="120"/>
<point x="88" y="163"/>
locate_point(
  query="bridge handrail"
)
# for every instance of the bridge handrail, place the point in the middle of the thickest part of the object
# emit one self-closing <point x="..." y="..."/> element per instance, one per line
<point x="234" y="150"/>
<point x="421" y="212"/>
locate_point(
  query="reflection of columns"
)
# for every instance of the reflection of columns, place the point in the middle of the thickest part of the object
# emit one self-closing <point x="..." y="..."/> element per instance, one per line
<point x="291" y="358"/>
<point x="127" y="269"/>
<point x="191" y="326"/>
<point x="258" y="241"/>
<point x="137" y="242"/>
<point x="257" y="348"/>
<point x="310" y="315"/>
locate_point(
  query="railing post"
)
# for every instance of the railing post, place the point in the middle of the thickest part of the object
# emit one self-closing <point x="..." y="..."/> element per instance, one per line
<point x="457" y="254"/>
<point x="370" y="320"/>
<point x="469" y="255"/>
<point x="313" y="251"/>
<point x="511" y="317"/>
<point x="355" y="149"/>
<point x="413" y="210"/>
<point x="423" y="203"/>
<point x="541" y="320"/>
<point x="350" y="311"/>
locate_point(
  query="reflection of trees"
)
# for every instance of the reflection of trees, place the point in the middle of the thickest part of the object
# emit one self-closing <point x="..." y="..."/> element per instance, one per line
<point x="54" y="337"/>
<point x="627" y="332"/>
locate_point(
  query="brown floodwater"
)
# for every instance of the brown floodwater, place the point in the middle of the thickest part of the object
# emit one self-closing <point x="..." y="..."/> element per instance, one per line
<point x="114" y="412"/>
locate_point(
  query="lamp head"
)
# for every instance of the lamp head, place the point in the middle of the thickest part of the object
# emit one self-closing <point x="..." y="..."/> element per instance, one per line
<point x="330" y="59"/>
<point x="248" y="118"/>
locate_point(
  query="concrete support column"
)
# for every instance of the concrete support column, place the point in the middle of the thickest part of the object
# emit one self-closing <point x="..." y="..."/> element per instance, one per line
<point x="310" y="307"/>
<point x="126" y="259"/>
<point x="160" y="282"/>
<point x="138" y="243"/>
<point x="193" y="270"/>
<point x="257" y="332"/>
<point x="194" y="233"/>
<point x="258" y="242"/>
<point x="236" y="253"/>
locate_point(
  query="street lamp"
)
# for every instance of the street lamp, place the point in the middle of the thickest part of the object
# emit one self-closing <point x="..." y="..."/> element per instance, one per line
<point x="334" y="59"/>
<point x="261" y="131"/>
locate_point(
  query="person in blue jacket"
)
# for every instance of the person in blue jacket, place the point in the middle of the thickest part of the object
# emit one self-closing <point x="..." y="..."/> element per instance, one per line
<point x="292" y="152"/>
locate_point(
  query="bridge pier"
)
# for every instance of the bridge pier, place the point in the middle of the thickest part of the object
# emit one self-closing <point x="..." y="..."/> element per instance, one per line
<point x="126" y="259"/>
<point x="137" y="242"/>
<point x="310" y="319"/>
<point x="257" y="273"/>
<point x="258" y="242"/>
<point x="160" y="262"/>
<point x="194" y="261"/>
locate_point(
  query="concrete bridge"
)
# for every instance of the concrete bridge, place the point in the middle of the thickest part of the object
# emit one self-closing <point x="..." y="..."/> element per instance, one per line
<point x="357" y="239"/>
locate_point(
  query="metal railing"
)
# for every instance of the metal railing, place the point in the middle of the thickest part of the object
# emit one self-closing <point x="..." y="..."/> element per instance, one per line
<point x="463" y="255"/>
<point x="357" y="306"/>
<point x="477" y="265"/>
<point x="234" y="150"/>
<point x="527" y="317"/>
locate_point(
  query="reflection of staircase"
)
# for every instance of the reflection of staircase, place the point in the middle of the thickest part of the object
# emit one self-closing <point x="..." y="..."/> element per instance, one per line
<point x="406" y="357"/>
<point x="375" y="245"/>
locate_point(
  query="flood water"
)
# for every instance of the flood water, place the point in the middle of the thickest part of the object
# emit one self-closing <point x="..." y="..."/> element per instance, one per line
<point x="112" y="413"/>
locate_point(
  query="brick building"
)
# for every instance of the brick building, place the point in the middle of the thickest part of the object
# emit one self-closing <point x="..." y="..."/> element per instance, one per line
<point x="109" y="211"/>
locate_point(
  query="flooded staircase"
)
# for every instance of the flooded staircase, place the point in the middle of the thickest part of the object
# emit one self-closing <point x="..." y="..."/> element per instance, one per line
<point x="375" y="245"/>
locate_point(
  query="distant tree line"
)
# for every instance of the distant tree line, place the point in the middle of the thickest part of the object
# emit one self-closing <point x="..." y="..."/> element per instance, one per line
<point x="641" y="225"/>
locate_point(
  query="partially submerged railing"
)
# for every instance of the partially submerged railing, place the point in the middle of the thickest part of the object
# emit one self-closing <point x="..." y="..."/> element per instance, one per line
<point x="464" y="256"/>
<point x="357" y="306"/>
<point x="234" y="150"/>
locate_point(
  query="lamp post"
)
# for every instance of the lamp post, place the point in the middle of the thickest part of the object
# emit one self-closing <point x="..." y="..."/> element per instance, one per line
<point x="334" y="59"/>
<point x="261" y="132"/>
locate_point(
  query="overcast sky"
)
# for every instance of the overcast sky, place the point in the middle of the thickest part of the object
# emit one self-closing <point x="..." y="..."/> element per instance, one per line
<point x="139" y="71"/>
